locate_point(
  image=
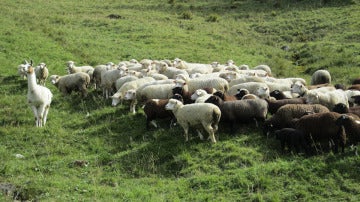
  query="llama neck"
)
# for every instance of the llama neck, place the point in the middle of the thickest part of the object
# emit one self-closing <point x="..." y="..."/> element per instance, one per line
<point x="31" y="79"/>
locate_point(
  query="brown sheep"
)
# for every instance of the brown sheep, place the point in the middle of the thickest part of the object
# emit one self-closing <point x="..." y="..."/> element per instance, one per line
<point x="322" y="127"/>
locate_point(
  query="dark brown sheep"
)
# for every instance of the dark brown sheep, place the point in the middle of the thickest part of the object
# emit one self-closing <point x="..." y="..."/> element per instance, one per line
<point x="341" y="108"/>
<point x="292" y="138"/>
<point x="225" y="96"/>
<point x="352" y="127"/>
<point x="322" y="128"/>
<point x="155" y="109"/>
<point x="274" y="105"/>
<point x="284" y="116"/>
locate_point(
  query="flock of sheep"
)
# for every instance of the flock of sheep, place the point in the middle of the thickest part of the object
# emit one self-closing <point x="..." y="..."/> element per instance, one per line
<point x="203" y="95"/>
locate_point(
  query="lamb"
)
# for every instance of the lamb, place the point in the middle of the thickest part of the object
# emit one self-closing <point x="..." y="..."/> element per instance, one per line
<point x="240" y="111"/>
<point x="71" y="69"/>
<point x="200" y="96"/>
<point x="205" y="114"/>
<point x="42" y="73"/>
<point x="99" y="70"/>
<point x="170" y="72"/>
<point x="292" y="138"/>
<point x="122" y="80"/>
<point x="351" y="126"/>
<point x="131" y="85"/>
<point x="274" y="105"/>
<point x="219" y="84"/>
<point x="321" y="76"/>
<point x="155" y="109"/>
<point x="266" y="68"/>
<point x="193" y="67"/>
<point x="329" y="99"/>
<point x="285" y="114"/>
<point x="38" y="97"/>
<point x="71" y="82"/>
<point x="322" y="127"/>
<point x="109" y="78"/>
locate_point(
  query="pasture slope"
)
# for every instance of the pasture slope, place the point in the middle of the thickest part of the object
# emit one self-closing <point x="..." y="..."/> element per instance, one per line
<point x="90" y="151"/>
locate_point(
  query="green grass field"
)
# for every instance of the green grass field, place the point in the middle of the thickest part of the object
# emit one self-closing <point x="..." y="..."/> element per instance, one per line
<point x="125" y="161"/>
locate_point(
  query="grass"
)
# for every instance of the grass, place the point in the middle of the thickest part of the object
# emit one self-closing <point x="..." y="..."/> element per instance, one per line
<point x="128" y="163"/>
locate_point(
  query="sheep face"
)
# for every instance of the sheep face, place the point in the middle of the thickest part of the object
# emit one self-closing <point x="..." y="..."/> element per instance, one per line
<point x="298" y="88"/>
<point x="312" y="98"/>
<point x="263" y="92"/>
<point x="115" y="100"/>
<point x="130" y="95"/>
<point x="179" y="83"/>
<point x="172" y="104"/>
<point x="54" y="79"/>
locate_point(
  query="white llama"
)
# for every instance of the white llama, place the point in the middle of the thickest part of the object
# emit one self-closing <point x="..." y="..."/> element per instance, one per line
<point x="38" y="97"/>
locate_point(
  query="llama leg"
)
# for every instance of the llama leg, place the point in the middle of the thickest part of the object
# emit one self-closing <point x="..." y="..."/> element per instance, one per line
<point x="40" y="112"/>
<point x="46" y="111"/>
<point x="35" y="114"/>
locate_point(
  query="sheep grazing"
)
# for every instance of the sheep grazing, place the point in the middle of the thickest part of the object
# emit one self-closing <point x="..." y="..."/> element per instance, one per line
<point x="285" y="114"/>
<point x="240" y="111"/>
<point x="351" y="126"/>
<point x="302" y="90"/>
<point x="252" y="87"/>
<point x="274" y="105"/>
<point x="38" y="97"/>
<point x="321" y="76"/>
<point x="42" y="73"/>
<point x="322" y="127"/>
<point x="292" y="138"/>
<point x="155" y="109"/>
<point x="170" y="72"/>
<point x="266" y="68"/>
<point x="108" y="79"/>
<point x="205" y="114"/>
<point x="71" y="82"/>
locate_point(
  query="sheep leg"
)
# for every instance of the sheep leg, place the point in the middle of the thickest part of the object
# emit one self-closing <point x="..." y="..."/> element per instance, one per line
<point x="200" y="135"/>
<point x="210" y="131"/>
<point x="186" y="131"/>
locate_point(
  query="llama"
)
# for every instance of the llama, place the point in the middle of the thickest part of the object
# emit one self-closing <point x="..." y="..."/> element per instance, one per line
<point x="38" y="97"/>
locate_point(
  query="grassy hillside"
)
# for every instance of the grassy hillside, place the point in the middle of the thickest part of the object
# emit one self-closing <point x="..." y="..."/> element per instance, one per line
<point x="128" y="163"/>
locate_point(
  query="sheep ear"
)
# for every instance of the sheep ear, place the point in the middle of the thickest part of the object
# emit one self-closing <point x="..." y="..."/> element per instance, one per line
<point x="31" y="63"/>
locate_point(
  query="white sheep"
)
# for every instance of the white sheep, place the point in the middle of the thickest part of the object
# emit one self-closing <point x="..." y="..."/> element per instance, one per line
<point x="328" y="99"/>
<point x="71" y="68"/>
<point x="42" y="73"/>
<point x="99" y="70"/>
<point x="192" y="67"/>
<point x="351" y="94"/>
<point x="131" y="85"/>
<point x="161" y="91"/>
<point x="21" y="71"/>
<point x="264" y="67"/>
<point x="244" y="79"/>
<point x="321" y="76"/>
<point x="170" y="72"/>
<point x="217" y="83"/>
<point x="71" y="82"/>
<point x="302" y="90"/>
<point x="109" y="78"/>
<point x="252" y="87"/>
<point x="200" y="96"/>
<point x="205" y="114"/>
<point x="38" y="97"/>
<point x="122" y="80"/>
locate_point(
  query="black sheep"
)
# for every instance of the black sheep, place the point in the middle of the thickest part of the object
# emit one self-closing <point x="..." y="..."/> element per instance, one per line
<point x="292" y="138"/>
